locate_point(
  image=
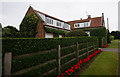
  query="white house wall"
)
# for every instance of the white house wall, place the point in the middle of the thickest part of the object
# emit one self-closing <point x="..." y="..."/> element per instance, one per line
<point x="88" y="32"/>
<point x="48" y="35"/>
<point x="60" y="35"/>
<point x="41" y="15"/>
<point x="63" y="24"/>
<point x="82" y="24"/>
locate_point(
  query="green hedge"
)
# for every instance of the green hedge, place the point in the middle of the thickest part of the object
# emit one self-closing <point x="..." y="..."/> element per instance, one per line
<point x="19" y="46"/>
<point x="40" y="70"/>
<point x="29" y="61"/>
<point x="55" y="31"/>
<point x="76" y="33"/>
<point x="100" y="33"/>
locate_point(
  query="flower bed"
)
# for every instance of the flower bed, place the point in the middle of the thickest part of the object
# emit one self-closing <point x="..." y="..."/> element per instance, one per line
<point x="78" y="64"/>
<point x="105" y="45"/>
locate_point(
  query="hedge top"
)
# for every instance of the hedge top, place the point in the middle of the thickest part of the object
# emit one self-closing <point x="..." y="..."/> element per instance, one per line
<point x="19" y="46"/>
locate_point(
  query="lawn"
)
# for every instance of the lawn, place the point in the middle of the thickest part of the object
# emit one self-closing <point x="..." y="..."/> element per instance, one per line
<point x="105" y="64"/>
<point x="114" y="44"/>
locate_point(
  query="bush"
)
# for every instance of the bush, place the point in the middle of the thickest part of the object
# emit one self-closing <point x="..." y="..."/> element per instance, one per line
<point x="116" y="34"/>
<point x="111" y="38"/>
<point x="76" y="33"/>
<point x="10" y="31"/>
<point x="55" y="31"/>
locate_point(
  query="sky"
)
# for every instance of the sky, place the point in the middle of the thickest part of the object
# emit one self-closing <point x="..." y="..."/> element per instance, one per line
<point x="12" y="12"/>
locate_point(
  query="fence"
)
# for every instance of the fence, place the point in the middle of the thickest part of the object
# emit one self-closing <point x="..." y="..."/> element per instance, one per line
<point x="49" y="62"/>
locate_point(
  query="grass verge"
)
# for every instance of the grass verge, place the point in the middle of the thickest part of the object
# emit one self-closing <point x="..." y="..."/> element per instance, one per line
<point x="114" y="44"/>
<point x="105" y="64"/>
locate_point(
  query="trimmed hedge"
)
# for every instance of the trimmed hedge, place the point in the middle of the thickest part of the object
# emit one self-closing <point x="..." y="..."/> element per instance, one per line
<point x="29" y="61"/>
<point x="55" y="31"/>
<point x="76" y="33"/>
<point x="39" y="71"/>
<point x="22" y="46"/>
<point x="19" y="46"/>
<point x="100" y="33"/>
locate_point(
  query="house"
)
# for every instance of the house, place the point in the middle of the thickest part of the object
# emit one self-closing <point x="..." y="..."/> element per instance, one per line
<point x="48" y="22"/>
<point x="87" y="23"/>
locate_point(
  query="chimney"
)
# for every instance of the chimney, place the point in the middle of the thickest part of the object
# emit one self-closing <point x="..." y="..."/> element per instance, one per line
<point x="89" y="16"/>
<point x="102" y="14"/>
<point x="103" y="19"/>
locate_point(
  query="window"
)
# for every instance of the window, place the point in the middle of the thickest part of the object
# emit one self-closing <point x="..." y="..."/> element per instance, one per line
<point x="75" y="25"/>
<point x="58" y="24"/>
<point x="66" y="26"/>
<point x="49" y="21"/>
<point x="78" y="25"/>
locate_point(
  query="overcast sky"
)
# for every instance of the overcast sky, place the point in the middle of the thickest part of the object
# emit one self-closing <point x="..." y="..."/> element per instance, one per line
<point x="13" y="11"/>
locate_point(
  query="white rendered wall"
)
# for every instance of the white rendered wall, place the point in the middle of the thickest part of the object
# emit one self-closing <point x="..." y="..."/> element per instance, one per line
<point x="63" y="24"/>
<point x="48" y="35"/>
<point x="60" y="35"/>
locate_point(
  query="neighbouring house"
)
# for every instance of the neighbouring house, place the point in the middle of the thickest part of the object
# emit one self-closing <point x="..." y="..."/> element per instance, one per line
<point x="85" y="24"/>
<point x="49" y="22"/>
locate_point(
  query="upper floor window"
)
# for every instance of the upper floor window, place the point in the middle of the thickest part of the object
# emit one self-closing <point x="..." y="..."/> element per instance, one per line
<point x="66" y="26"/>
<point x="58" y="24"/>
<point x="49" y="21"/>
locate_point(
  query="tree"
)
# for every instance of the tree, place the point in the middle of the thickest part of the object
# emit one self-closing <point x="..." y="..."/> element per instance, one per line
<point x="28" y="26"/>
<point x="6" y="32"/>
<point x="116" y="34"/>
<point x="76" y="33"/>
<point x="10" y="31"/>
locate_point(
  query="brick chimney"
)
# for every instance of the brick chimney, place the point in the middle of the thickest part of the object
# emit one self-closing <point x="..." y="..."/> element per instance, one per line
<point x="103" y="19"/>
<point x="89" y="16"/>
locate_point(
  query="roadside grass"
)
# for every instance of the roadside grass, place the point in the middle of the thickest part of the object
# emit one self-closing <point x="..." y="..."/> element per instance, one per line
<point x="105" y="64"/>
<point x="114" y="44"/>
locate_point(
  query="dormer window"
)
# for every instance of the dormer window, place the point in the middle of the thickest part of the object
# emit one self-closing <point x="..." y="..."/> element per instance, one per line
<point x="49" y="21"/>
<point x="58" y="24"/>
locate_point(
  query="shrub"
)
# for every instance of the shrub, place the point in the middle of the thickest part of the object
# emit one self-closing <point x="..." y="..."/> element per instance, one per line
<point x="10" y="31"/>
<point x="116" y="34"/>
<point x="76" y="33"/>
<point x="111" y="38"/>
<point x="55" y="31"/>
